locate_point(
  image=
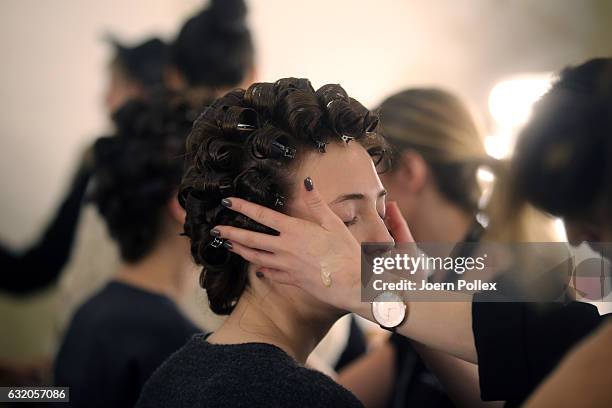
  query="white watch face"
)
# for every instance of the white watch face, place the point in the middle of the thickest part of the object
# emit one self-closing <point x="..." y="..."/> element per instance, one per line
<point x="388" y="309"/>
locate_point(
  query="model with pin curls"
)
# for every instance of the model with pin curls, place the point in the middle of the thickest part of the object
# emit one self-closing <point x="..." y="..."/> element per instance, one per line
<point x="261" y="145"/>
<point x="562" y="166"/>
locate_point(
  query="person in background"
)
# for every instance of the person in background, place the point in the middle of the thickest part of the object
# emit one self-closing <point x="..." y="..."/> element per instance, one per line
<point x="135" y="73"/>
<point x="433" y="178"/>
<point x="119" y="336"/>
<point x="213" y="52"/>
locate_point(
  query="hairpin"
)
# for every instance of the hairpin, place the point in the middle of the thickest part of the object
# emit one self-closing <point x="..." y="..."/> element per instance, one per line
<point x="245" y="127"/>
<point x="284" y="150"/>
<point x="346" y="138"/>
<point x="216" y="243"/>
<point x="280" y="200"/>
<point x="320" y="146"/>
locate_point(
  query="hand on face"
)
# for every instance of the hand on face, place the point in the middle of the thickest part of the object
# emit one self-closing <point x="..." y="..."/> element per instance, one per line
<point x="307" y="251"/>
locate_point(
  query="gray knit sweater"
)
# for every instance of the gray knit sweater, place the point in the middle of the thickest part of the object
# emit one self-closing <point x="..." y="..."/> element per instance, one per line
<point x="251" y="375"/>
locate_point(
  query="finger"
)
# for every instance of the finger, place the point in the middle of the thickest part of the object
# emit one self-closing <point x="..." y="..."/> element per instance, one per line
<point x="250" y="239"/>
<point x="263" y="215"/>
<point x="278" y="276"/>
<point x="317" y="207"/>
<point x="257" y="257"/>
<point x="397" y="224"/>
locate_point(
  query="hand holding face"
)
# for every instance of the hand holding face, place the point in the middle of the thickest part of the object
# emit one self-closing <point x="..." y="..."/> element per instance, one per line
<point x="320" y="256"/>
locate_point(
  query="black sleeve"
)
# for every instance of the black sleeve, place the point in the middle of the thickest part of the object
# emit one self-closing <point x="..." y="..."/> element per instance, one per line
<point x="519" y="344"/>
<point x="41" y="264"/>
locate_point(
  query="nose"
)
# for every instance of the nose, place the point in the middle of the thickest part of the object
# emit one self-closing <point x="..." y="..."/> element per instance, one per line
<point x="379" y="234"/>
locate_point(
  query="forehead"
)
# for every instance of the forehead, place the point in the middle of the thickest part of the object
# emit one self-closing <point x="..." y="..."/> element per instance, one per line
<point x="342" y="169"/>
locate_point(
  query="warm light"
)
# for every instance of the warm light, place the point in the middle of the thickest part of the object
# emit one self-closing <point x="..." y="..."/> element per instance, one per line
<point x="510" y="101"/>
<point x="560" y="229"/>
<point x="510" y="105"/>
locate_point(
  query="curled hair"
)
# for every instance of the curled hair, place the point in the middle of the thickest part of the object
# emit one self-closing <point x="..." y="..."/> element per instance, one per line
<point x="246" y="144"/>
<point x="137" y="170"/>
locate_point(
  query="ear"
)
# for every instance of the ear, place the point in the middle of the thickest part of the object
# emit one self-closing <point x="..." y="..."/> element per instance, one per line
<point x="177" y="212"/>
<point x="412" y="171"/>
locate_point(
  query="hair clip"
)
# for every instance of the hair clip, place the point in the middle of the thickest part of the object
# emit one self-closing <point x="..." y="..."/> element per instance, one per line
<point x="245" y="127"/>
<point x="216" y="243"/>
<point x="346" y="138"/>
<point x="320" y="146"/>
<point x="284" y="150"/>
<point x="280" y="200"/>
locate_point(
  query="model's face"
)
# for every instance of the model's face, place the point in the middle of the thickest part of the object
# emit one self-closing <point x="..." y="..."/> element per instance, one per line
<point x="347" y="181"/>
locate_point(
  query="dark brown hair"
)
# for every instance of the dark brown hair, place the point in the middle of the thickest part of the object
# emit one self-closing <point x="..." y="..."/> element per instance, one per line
<point x="245" y="145"/>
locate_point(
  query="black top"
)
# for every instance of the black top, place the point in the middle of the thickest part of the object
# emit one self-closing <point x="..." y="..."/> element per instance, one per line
<point x="250" y="375"/>
<point x="519" y="344"/>
<point x="114" y="343"/>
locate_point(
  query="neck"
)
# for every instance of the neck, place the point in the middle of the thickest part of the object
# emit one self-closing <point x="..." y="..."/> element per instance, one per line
<point x="440" y="222"/>
<point x="264" y="315"/>
<point x="163" y="271"/>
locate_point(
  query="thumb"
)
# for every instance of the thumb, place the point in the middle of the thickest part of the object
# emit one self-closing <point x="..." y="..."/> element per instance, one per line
<point x="318" y="208"/>
<point x="397" y="224"/>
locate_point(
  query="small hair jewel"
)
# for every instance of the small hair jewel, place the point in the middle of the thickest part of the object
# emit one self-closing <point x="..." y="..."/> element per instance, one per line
<point x="280" y="200"/>
<point x="216" y="243"/>
<point x="284" y="150"/>
<point x="245" y="127"/>
<point x="347" y="139"/>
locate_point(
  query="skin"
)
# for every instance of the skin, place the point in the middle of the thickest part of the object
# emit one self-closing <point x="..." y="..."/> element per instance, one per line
<point x="432" y="218"/>
<point x="166" y="269"/>
<point x="583" y="377"/>
<point x="120" y="89"/>
<point x="443" y="326"/>
<point x="287" y="316"/>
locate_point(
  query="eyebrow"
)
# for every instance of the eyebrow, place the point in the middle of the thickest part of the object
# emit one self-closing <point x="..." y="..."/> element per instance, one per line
<point x="355" y="196"/>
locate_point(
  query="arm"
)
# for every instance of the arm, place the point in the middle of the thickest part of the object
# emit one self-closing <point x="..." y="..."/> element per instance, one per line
<point x="582" y="379"/>
<point x="371" y="377"/>
<point x="42" y="263"/>
<point x="459" y="377"/>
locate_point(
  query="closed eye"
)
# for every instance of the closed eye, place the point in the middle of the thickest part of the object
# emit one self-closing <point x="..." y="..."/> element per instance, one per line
<point x="351" y="222"/>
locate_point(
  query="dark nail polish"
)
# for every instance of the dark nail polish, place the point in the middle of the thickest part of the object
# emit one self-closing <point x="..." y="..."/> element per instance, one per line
<point x="227" y="245"/>
<point x="259" y="274"/>
<point x="226" y="202"/>
<point x="308" y="184"/>
<point x="215" y="232"/>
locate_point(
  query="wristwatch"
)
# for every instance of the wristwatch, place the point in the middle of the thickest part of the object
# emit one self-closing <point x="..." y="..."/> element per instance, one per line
<point x="389" y="310"/>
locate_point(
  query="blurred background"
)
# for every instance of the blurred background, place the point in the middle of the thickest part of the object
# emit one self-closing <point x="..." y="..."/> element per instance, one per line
<point x="497" y="55"/>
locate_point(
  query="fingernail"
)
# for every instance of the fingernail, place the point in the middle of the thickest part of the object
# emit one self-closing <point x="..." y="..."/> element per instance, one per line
<point x="215" y="232"/>
<point x="259" y="274"/>
<point x="227" y="245"/>
<point x="308" y="184"/>
<point x="226" y="202"/>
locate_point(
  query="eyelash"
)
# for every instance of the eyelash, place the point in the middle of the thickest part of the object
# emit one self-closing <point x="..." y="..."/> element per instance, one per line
<point x="354" y="220"/>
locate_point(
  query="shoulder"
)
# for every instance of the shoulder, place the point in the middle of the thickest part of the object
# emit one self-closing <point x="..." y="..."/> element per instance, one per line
<point x="583" y="377"/>
<point x="241" y="375"/>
